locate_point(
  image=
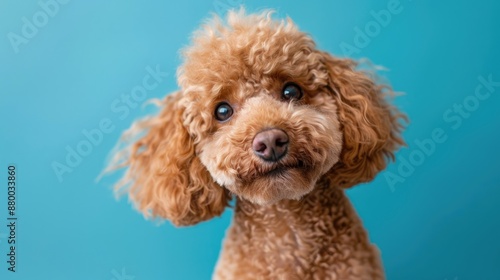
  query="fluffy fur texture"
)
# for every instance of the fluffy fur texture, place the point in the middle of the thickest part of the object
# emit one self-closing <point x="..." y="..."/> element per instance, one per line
<point x="292" y="218"/>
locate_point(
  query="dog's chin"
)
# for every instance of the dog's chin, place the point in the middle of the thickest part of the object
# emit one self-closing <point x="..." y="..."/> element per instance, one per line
<point x="277" y="185"/>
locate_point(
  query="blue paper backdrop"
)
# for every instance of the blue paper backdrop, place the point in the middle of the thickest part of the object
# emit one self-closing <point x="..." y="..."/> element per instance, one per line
<point x="65" y="65"/>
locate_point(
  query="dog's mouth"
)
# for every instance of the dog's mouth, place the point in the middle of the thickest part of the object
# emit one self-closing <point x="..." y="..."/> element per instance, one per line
<point x="280" y="169"/>
<point x="295" y="166"/>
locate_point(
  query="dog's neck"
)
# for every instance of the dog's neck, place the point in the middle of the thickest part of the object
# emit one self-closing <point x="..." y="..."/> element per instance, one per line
<point x="323" y="203"/>
<point x="293" y="236"/>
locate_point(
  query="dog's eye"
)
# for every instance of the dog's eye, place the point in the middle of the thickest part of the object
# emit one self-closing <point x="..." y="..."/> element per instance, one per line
<point x="223" y="112"/>
<point x="292" y="91"/>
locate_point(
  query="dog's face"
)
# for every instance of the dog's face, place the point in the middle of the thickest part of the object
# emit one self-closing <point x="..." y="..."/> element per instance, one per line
<point x="257" y="99"/>
<point x="261" y="114"/>
<point x="271" y="149"/>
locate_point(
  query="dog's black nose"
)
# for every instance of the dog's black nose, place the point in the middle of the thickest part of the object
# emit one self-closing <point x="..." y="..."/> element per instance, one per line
<point x="271" y="144"/>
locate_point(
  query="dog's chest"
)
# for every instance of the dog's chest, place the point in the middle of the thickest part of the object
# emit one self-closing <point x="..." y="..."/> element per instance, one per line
<point x="298" y="243"/>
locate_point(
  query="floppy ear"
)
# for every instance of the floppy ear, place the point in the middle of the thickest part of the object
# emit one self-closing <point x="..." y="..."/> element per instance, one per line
<point x="371" y="126"/>
<point x="165" y="178"/>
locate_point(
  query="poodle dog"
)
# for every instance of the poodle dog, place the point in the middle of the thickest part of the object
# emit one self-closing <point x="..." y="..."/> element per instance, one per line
<point x="264" y="117"/>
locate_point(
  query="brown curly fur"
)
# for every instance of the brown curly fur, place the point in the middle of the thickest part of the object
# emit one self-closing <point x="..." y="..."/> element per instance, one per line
<point x="184" y="165"/>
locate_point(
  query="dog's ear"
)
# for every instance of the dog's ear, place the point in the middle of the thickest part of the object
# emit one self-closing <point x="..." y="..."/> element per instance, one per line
<point x="165" y="178"/>
<point x="371" y="126"/>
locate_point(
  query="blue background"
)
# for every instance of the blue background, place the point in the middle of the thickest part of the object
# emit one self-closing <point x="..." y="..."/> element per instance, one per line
<point x="441" y="222"/>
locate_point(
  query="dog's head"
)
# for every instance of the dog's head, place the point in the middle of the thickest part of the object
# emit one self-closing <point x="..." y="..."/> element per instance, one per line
<point x="261" y="114"/>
